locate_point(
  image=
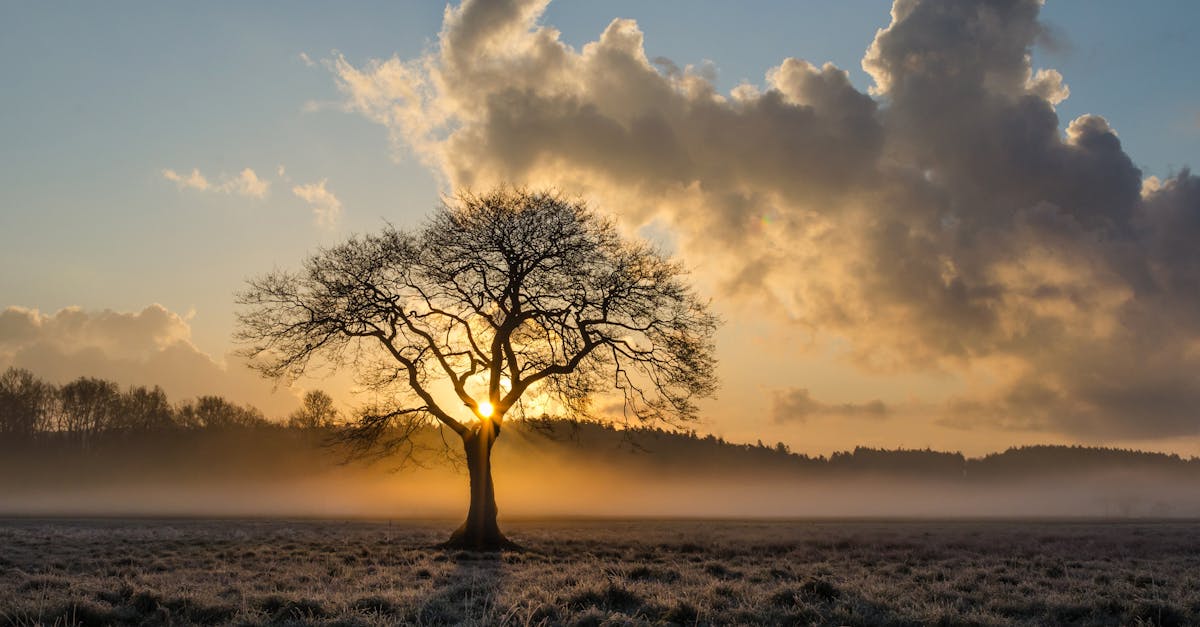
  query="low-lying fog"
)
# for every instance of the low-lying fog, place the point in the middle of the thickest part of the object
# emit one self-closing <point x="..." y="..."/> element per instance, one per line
<point x="256" y="474"/>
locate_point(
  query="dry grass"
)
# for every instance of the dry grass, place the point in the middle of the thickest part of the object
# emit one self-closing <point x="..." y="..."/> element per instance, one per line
<point x="94" y="572"/>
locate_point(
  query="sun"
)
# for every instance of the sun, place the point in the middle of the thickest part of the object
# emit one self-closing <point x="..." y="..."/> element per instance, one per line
<point x="485" y="409"/>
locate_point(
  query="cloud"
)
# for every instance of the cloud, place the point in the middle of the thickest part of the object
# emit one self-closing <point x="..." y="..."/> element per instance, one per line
<point x="325" y="206"/>
<point x="149" y="347"/>
<point x="940" y="221"/>
<point x="797" y="405"/>
<point x="195" y="180"/>
<point x="246" y="183"/>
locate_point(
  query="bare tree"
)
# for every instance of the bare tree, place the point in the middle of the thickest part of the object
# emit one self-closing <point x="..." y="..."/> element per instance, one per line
<point x="24" y="401"/>
<point x="515" y="303"/>
<point x="316" y="412"/>
<point x="90" y="406"/>
<point x="145" y="410"/>
<point x="215" y="412"/>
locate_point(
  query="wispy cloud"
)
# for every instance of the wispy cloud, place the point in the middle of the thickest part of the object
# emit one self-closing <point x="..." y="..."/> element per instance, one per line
<point x="797" y="405"/>
<point x="246" y="183"/>
<point x="195" y="180"/>
<point x="326" y="207"/>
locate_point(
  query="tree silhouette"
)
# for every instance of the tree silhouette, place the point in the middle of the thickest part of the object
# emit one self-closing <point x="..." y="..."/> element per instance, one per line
<point x="215" y="412"/>
<point x="516" y="303"/>
<point x="145" y="410"/>
<point x="23" y="401"/>
<point x="89" y="407"/>
<point x="316" y="412"/>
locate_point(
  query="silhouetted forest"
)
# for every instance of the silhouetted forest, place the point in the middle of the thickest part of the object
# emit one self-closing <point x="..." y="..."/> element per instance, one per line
<point x="689" y="449"/>
<point x="93" y="417"/>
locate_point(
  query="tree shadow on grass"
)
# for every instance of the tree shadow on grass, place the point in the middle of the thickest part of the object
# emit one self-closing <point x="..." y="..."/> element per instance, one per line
<point x="468" y="594"/>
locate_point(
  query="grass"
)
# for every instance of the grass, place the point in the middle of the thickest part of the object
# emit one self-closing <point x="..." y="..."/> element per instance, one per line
<point x="148" y="572"/>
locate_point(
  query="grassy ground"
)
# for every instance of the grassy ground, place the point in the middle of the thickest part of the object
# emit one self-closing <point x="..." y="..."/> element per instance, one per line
<point x="600" y="572"/>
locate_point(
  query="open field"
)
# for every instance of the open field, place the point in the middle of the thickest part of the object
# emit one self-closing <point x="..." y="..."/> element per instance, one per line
<point x="92" y="572"/>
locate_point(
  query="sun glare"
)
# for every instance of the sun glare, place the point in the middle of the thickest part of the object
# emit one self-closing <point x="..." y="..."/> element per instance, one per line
<point x="485" y="409"/>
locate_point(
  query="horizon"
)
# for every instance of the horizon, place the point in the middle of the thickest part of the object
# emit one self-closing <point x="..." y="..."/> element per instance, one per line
<point x="248" y="416"/>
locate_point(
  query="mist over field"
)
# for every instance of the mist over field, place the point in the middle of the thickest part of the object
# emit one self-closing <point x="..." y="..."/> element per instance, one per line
<point x="588" y="471"/>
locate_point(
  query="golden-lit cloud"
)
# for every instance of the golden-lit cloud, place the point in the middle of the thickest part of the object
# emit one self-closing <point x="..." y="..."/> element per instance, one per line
<point x="325" y="205"/>
<point x="938" y="222"/>
<point x="148" y="347"/>
<point x="245" y="183"/>
<point x="195" y="180"/>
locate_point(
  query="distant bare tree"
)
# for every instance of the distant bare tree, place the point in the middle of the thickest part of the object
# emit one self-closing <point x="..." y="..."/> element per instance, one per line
<point x="215" y="412"/>
<point x="89" y="406"/>
<point x="24" y="403"/>
<point x="146" y="409"/>
<point x="316" y="412"/>
<point x="532" y="297"/>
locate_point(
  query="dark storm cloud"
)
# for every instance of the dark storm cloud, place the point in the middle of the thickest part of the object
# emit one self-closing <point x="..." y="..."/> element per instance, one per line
<point x="941" y="222"/>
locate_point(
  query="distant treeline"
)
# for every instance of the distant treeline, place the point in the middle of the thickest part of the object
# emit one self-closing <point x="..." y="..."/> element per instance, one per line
<point x="1015" y="462"/>
<point x="88" y="413"/>
<point x="88" y="409"/>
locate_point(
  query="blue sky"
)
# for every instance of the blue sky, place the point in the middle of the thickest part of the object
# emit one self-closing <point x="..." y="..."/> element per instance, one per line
<point x="99" y="99"/>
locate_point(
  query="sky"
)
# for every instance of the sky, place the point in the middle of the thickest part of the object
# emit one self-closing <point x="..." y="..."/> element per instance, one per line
<point x="972" y="229"/>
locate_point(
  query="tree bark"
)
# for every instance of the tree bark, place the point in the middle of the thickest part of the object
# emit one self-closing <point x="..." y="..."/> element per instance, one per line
<point x="480" y="532"/>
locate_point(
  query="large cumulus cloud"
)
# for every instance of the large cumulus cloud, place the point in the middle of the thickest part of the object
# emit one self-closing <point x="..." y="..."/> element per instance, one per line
<point x="148" y="347"/>
<point x="941" y="221"/>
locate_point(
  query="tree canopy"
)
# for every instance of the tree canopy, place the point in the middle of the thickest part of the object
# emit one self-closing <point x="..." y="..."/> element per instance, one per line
<point x="512" y="292"/>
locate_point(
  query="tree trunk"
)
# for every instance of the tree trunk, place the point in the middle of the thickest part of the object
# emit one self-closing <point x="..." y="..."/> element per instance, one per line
<point x="480" y="531"/>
